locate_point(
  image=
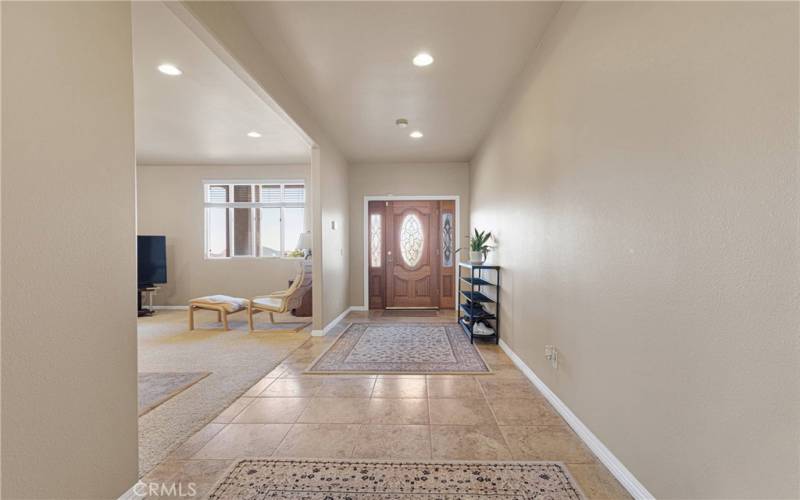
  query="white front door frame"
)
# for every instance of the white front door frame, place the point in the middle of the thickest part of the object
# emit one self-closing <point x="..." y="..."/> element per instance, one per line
<point x="456" y="241"/>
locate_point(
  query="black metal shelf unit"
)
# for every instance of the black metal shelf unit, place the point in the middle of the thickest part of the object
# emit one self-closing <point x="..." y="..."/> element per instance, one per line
<point x="473" y="304"/>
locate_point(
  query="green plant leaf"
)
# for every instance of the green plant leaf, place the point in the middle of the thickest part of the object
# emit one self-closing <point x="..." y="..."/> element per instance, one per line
<point x="479" y="242"/>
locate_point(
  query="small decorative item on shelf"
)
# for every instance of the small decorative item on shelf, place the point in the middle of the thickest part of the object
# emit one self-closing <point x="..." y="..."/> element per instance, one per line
<point x="479" y="246"/>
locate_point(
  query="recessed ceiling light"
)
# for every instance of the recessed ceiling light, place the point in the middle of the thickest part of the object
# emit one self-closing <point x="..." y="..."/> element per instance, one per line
<point x="415" y="134"/>
<point x="401" y="122"/>
<point x="423" y="59"/>
<point x="253" y="134"/>
<point x="170" y="69"/>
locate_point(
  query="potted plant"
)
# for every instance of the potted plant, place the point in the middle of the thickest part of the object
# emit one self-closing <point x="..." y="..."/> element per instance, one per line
<point x="479" y="246"/>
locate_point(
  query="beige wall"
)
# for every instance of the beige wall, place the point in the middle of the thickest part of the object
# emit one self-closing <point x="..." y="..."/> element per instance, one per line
<point x="642" y="182"/>
<point x="170" y="203"/>
<point x="221" y="26"/>
<point x="406" y="179"/>
<point x="333" y="202"/>
<point x="68" y="251"/>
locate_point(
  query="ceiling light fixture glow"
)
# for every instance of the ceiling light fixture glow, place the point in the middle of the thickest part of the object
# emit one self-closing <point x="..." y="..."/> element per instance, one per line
<point x="253" y="134"/>
<point x="415" y="134"/>
<point x="423" y="59"/>
<point x="170" y="69"/>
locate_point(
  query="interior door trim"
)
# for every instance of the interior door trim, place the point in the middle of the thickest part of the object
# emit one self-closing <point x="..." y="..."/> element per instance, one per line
<point x="365" y="233"/>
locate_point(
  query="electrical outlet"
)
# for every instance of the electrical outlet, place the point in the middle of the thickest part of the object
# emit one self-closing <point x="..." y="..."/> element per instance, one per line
<point x="551" y="355"/>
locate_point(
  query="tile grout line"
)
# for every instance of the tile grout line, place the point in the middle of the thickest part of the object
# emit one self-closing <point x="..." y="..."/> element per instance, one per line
<point x="428" y="407"/>
<point x="283" y="439"/>
<point x="496" y="422"/>
<point x="277" y="447"/>
<point x="355" y="441"/>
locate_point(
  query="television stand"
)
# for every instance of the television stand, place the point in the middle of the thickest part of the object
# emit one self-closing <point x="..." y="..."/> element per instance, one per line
<point x="150" y="290"/>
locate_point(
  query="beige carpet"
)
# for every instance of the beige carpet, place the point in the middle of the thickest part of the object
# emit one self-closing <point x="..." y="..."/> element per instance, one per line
<point x="373" y="480"/>
<point x="155" y="388"/>
<point x="401" y="348"/>
<point x="236" y="360"/>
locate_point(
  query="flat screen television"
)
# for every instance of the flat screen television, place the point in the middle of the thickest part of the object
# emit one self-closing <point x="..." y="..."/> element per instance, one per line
<point x="152" y="255"/>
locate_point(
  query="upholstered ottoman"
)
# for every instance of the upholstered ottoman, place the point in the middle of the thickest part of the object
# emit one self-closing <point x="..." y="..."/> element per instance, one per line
<point x="223" y="305"/>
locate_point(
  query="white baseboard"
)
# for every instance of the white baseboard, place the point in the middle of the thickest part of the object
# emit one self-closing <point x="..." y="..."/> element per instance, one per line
<point x="612" y="463"/>
<point x="171" y="308"/>
<point x="337" y="319"/>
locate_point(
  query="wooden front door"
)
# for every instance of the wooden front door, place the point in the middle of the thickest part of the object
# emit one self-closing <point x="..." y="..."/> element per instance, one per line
<point x="412" y="243"/>
<point x="410" y="254"/>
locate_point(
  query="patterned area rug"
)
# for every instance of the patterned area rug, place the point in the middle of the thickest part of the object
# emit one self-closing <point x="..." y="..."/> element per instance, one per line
<point x="361" y="480"/>
<point x="155" y="388"/>
<point x="401" y="348"/>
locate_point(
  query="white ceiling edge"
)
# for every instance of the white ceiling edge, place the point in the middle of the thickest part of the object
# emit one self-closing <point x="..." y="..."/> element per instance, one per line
<point x="210" y="41"/>
<point x="202" y="116"/>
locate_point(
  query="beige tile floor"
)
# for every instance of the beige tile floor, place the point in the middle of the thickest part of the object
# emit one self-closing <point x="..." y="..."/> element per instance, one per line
<point x="288" y="414"/>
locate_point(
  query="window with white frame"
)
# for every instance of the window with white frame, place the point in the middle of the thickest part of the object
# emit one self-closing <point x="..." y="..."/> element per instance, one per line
<point x="254" y="219"/>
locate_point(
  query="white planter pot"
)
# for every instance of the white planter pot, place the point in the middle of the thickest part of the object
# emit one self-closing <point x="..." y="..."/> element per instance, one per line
<point x="476" y="257"/>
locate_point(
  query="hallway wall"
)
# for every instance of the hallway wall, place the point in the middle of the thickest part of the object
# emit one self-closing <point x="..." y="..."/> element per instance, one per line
<point x="68" y="251"/>
<point x="642" y="183"/>
<point x="399" y="179"/>
<point x="334" y="225"/>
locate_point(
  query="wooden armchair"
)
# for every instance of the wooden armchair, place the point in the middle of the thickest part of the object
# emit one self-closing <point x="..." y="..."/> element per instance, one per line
<point x="284" y="300"/>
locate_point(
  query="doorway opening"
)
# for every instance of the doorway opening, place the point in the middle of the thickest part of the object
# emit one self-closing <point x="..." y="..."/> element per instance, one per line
<point x="410" y="252"/>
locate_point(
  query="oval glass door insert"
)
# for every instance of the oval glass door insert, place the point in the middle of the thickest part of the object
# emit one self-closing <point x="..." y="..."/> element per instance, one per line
<point x="411" y="240"/>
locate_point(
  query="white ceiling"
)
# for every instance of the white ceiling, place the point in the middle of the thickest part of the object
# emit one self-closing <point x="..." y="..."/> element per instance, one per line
<point x="351" y="63"/>
<point x="202" y="116"/>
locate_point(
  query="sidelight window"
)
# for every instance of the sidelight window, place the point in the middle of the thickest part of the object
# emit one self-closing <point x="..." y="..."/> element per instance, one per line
<point x="375" y="243"/>
<point x="447" y="240"/>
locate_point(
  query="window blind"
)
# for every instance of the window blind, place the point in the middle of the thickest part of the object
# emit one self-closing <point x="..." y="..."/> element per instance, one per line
<point x="271" y="194"/>
<point x="294" y="193"/>
<point x="217" y="194"/>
